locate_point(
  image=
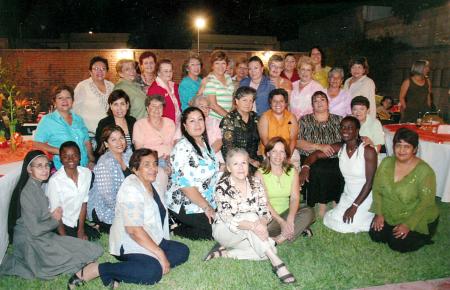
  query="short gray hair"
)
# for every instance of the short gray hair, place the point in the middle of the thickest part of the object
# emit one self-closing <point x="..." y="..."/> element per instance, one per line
<point x="155" y="97"/>
<point x="336" y="70"/>
<point x="234" y="152"/>
<point x="198" y="98"/>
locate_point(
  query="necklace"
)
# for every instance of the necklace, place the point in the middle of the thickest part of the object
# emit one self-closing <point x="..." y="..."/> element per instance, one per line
<point x="351" y="150"/>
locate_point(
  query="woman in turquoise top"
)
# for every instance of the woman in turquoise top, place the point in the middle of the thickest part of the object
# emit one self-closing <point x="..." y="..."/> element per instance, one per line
<point x="406" y="215"/>
<point x="191" y="81"/>
<point x="280" y="179"/>
<point x="63" y="125"/>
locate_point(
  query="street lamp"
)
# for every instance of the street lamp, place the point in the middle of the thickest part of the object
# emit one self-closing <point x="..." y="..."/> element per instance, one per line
<point x="200" y="23"/>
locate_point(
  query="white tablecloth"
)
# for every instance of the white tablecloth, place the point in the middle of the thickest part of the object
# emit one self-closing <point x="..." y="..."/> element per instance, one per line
<point x="7" y="184"/>
<point x="437" y="156"/>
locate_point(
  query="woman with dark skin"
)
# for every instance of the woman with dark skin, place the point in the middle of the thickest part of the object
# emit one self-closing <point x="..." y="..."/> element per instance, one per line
<point x="358" y="164"/>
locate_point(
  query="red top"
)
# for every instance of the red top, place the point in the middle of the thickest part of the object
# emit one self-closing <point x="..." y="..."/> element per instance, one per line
<point x="169" y="109"/>
<point x="295" y="76"/>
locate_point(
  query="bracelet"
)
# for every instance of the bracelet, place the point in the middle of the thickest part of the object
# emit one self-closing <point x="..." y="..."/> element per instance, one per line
<point x="355" y="204"/>
<point x="305" y="165"/>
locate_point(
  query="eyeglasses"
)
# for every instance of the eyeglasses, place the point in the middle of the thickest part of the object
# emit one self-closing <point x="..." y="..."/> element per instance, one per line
<point x="42" y="166"/>
<point x="97" y="68"/>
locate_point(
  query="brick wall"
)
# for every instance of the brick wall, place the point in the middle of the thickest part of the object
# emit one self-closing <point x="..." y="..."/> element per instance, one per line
<point x="36" y="71"/>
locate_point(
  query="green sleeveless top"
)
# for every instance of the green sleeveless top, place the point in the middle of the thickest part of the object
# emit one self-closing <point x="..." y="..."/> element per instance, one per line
<point x="279" y="190"/>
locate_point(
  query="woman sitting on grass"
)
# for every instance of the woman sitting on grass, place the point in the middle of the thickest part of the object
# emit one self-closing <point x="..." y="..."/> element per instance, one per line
<point x="404" y="190"/>
<point x="281" y="182"/>
<point x="242" y="216"/>
<point x="39" y="252"/>
<point x="110" y="171"/>
<point x="69" y="189"/>
<point x="358" y="164"/>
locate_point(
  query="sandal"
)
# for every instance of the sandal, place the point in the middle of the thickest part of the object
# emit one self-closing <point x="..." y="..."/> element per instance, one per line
<point x="308" y="233"/>
<point x="75" y="281"/>
<point x="283" y="279"/>
<point x="216" y="252"/>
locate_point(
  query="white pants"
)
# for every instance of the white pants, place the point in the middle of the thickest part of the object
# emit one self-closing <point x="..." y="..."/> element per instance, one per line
<point x="244" y="244"/>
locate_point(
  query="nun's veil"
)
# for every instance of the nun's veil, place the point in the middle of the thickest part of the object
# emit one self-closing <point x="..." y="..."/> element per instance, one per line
<point x="14" y="206"/>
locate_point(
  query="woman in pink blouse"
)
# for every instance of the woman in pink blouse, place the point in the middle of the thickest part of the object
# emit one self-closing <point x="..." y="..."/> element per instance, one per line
<point x="242" y="216"/>
<point x="157" y="133"/>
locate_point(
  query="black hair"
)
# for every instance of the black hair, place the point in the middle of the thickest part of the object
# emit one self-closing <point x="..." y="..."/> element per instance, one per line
<point x="279" y="91"/>
<point x="321" y="94"/>
<point x="322" y="61"/>
<point x="244" y="91"/>
<point x="14" y="211"/>
<point x="69" y="144"/>
<point x="257" y="59"/>
<point x="191" y="140"/>
<point x="407" y="135"/>
<point x="98" y="59"/>
<point x="357" y="124"/>
<point x="360" y="100"/>
<point x="117" y="95"/>
<point x="135" y="159"/>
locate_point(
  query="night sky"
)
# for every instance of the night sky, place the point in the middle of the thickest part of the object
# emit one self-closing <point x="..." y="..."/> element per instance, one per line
<point x="168" y="23"/>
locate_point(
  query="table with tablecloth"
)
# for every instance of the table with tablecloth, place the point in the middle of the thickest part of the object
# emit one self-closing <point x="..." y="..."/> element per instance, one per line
<point x="433" y="148"/>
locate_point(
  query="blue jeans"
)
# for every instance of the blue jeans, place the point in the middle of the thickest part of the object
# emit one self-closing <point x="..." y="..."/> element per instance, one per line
<point x="141" y="268"/>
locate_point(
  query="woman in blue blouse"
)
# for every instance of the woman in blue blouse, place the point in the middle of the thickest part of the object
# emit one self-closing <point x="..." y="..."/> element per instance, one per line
<point x="110" y="171"/>
<point x="191" y="81"/>
<point x="62" y="125"/>
<point x="190" y="197"/>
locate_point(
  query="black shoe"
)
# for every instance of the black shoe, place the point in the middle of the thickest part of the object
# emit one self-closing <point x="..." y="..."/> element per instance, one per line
<point x="74" y="282"/>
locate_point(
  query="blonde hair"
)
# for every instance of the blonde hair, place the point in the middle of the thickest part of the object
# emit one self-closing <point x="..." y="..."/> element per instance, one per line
<point x="121" y="63"/>
<point x="305" y="60"/>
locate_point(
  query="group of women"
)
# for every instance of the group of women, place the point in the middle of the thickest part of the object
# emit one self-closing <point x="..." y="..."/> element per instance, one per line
<point x="213" y="161"/>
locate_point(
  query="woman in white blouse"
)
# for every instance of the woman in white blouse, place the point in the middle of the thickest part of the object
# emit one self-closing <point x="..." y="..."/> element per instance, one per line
<point x="359" y="84"/>
<point x="242" y="216"/>
<point x="91" y="95"/>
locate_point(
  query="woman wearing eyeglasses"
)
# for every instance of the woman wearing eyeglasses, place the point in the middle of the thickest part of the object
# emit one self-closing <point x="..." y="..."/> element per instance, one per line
<point x="91" y="95"/>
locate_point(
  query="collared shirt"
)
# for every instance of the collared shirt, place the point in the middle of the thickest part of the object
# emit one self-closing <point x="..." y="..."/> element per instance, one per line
<point x="187" y="90"/>
<point x="90" y="103"/>
<point x="363" y="87"/>
<point x="295" y="77"/>
<point x="231" y="205"/>
<point x="341" y="104"/>
<point x="108" y="179"/>
<point x="372" y="129"/>
<point x="262" y="93"/>
<point x="63" y="192"/>
<point x="191" y="170"/>
<point x="136" y="95"/>
<point x="54" y="130"/>
<point x="136" y="207"/>
<point x="223" y="93"/>
<point x="300" y="103"/>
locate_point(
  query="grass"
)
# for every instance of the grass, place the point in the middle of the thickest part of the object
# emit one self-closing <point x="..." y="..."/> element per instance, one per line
<point x="328" y="260"/>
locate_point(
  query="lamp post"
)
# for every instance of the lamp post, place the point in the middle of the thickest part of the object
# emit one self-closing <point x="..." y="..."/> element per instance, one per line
<point x="200" y="23"/>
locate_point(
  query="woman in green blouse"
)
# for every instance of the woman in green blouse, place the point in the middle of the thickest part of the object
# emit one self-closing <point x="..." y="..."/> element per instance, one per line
<point x="406" y="215"/>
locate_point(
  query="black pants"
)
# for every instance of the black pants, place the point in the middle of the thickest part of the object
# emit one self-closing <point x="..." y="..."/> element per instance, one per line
<point x="102" y="227"/>
<point x="412" y="242"/>
<point x="90" y="232"/>
<point x="193" y="226"/>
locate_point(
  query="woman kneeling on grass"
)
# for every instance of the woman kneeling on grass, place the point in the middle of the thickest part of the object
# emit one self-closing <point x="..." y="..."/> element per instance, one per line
<point x="281" y="182"/>
<point x="242" y="216"/>
<point x="404" y="190"/>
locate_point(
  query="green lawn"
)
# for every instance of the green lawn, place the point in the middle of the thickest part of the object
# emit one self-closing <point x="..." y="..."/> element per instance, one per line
<point x="328" y="260"/>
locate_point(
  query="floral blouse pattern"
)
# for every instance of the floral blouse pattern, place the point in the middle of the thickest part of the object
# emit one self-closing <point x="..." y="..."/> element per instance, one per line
<point x="230" y="204"/>
<point x="238" y="134"/>
<point x="191" y="170"/>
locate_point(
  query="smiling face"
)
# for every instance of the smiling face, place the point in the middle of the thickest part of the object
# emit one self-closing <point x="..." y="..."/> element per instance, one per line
<point x="237" y="165"/>
<point x="290" y="63"/>
<point x="70" y="157"/>
<point x="195" y="124"/>
<point x="348" y="130"/>
<point x="255" y="70"/>
<point x="116" y="142"/>
<point x="305" y="73"/>
<point x="245" y="103"/>
<point x="119" y="108"/>
<point x="194" y="67"/>
<point x="155" y="109"/>
<point x="148" y="65"/>
<point x="335" y="81"/>
<point x="165" y="72"/>
<point x="98" y="71"/>
<point x="63" y="101"/>
<point x="148" y="169"/>
<point x="275" y="68"/>
<point x="360" y="112"/>
<point x="404" y="151"/>
<point x="39" y="169"/>
<point x="277" y="155"/>
<point x="316" y="56"/>
<point x="203" y="105"/>
<point x="128" y="71"/>
<point x="320" y="104"/>
<point x="219" y="67"/>
<point x="242" y="71"/>
<point x="357" y="70"/>
<point x="278" y="104"/>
